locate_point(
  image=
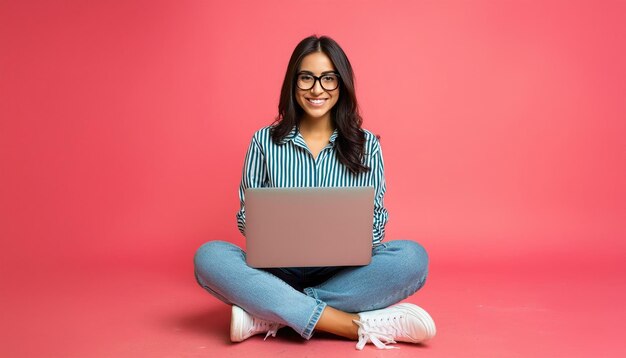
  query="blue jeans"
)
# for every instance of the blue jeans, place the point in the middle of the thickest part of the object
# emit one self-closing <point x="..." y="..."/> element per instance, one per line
<point x="296" y="297"/>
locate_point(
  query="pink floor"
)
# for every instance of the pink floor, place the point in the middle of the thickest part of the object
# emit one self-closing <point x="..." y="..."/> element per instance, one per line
<point x="488" y="311"/>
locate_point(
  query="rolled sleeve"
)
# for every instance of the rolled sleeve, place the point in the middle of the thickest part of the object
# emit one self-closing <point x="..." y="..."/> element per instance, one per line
<point x="381" y="216"/>
<point x="254" y="175"/>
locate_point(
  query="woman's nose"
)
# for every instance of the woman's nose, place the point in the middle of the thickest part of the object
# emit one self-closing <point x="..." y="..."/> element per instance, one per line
<point x="317" y="88"/>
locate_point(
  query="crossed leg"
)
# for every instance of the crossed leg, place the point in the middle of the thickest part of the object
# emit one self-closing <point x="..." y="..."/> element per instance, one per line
<point x="397" y="270"/>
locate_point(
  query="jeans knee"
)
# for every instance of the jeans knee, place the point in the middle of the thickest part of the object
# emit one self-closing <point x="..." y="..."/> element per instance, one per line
<point x="414" y="261"/>
<point x="208" y="257"/>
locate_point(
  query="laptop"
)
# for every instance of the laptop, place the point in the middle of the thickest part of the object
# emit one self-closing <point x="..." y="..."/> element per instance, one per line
<point x="309" y="227"/>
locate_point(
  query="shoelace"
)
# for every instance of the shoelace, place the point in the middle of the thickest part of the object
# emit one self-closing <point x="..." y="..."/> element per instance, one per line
<point x="273" y="328"/>
<point x="376" y="334"/>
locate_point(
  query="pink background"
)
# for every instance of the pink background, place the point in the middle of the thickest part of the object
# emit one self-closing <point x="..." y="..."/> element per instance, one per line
<point x="123" y="126"/>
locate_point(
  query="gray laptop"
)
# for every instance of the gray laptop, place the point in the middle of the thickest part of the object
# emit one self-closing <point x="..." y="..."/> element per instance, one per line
<point x="307" y="227"/>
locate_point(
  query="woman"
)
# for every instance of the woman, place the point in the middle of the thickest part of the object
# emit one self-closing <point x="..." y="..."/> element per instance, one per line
<point x="317" y="140"/>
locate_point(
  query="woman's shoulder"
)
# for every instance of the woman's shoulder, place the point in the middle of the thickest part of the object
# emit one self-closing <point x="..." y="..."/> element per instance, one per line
<point x="372" y="142"/>
<point x="263" y="136"/>
<point x="369" y="136"/>
<point x="263" y="132"/>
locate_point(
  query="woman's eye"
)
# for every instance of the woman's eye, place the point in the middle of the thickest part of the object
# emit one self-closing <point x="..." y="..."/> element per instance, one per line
<point x="328" y="78"/>
<point x="306" y="78"/>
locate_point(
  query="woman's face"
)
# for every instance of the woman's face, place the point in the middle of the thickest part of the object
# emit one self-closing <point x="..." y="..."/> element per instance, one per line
<point x="317" y="102"/>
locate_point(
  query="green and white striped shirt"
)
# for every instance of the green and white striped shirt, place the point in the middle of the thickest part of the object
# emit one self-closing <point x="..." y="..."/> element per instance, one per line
<point x="291" y="164"/>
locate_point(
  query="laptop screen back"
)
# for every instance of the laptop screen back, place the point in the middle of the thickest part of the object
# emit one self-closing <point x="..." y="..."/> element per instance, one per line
<point x="308" y="227"/>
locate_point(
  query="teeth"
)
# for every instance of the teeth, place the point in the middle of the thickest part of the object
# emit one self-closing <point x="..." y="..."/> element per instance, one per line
<point x="316" y="101"/>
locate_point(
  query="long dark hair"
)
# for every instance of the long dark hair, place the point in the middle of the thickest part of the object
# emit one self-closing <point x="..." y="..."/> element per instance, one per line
<point x="350" y="141"/>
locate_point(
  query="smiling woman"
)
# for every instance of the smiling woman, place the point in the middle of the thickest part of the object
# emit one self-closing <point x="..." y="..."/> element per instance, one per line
<point x="317" y="141"/>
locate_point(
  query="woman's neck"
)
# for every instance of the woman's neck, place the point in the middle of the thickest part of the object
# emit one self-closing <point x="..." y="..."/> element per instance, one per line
<point x="316" y="126"/>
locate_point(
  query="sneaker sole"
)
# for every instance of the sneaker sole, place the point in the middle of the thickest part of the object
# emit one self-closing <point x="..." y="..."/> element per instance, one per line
<point x="237" y="319"/>
<point x="423" y="316"/>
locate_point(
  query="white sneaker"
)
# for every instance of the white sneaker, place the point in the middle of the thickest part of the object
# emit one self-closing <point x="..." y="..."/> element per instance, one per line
<point x="244" y="325"/>
<point x="404" y="322"/>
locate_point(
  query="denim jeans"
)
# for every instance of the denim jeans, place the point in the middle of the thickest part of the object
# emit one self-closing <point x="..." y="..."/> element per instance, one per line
<point x="296" y="297"/>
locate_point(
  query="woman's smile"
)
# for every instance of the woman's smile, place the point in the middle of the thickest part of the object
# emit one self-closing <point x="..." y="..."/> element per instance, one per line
<point x="317" y="102"/>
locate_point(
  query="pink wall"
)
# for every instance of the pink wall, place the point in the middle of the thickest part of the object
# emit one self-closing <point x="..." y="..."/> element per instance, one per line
<point x="123" y="125"/>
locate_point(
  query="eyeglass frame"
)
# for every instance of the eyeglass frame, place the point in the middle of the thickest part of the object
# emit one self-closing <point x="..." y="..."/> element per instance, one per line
<point x="318" y="79"/>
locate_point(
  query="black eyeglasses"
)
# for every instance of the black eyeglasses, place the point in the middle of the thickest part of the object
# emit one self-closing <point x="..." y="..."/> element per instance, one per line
<point x="329" y="81"/>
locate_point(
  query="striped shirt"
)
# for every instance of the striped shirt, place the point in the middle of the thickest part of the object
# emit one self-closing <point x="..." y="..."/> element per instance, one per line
<point x="290" y="163"/>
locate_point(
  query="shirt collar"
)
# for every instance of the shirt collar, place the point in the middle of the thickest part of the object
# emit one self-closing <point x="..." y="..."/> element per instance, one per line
<point x="333" y="137"/>
<point x="296" y="137"/>
<point x="291" y="136"/>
